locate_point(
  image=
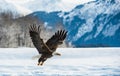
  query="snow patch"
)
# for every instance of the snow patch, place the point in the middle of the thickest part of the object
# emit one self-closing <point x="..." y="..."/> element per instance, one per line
<point x="76" y="61"/>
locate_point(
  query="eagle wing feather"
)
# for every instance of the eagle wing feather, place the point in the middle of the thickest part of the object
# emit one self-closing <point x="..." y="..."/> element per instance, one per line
<point x="53" y="42"/>
<point x="37" y="40"/>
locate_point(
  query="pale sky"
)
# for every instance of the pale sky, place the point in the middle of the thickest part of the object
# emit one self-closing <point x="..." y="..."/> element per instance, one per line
<point x="48" y="5"/>
<point x="18" y="1"/>
<point x="66" y="1"/>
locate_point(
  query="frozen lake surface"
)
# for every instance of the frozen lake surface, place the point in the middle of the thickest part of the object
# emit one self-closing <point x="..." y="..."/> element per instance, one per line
<point x="72" y="62"/>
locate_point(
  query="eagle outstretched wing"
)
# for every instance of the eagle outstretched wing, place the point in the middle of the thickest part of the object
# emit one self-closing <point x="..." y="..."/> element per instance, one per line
<point x="56" y="39"/>
<point x="37" y="40"/>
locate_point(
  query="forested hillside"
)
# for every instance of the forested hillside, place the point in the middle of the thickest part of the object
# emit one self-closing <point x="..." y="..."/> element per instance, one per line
<point x="14" y="30"/>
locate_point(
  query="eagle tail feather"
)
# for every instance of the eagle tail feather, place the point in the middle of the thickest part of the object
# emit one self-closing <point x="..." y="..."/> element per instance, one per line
<point x="36" y="57"/>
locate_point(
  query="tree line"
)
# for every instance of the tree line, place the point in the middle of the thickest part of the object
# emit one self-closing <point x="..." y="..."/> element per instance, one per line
<point x="14" y="30"/>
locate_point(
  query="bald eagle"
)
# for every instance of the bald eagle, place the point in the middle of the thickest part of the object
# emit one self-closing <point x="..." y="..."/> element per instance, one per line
<point x="47" y="50"/>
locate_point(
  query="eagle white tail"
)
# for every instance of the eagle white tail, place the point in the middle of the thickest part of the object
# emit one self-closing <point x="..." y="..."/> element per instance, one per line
<point x="36" y="57"/>
<point x="56" y="54"/>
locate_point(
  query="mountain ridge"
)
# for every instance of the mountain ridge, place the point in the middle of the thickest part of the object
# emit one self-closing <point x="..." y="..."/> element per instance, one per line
<point x="93" y="24"/>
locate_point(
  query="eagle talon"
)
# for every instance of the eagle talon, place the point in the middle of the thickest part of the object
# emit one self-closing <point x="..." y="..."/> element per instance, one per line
<point x="40" y="64"/>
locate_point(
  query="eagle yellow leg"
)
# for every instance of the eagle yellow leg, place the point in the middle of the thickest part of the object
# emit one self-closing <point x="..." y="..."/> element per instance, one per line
<point x="38" y="64"/>
<point x="41" y="63"/>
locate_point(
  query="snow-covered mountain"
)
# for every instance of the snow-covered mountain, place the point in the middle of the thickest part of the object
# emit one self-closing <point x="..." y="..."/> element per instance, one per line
<point x="95" y="23"/>
<point x="14" y="8"/>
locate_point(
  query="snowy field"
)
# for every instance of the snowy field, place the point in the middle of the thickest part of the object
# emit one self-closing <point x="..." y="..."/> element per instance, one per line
<point x="72" y="62"/>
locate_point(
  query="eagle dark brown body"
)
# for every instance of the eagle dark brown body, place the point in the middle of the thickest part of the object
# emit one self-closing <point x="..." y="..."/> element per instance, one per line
<point x="46" y="49"/>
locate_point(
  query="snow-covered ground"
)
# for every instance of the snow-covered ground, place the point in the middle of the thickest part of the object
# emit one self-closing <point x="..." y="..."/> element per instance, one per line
<point x="72" y="62"/>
